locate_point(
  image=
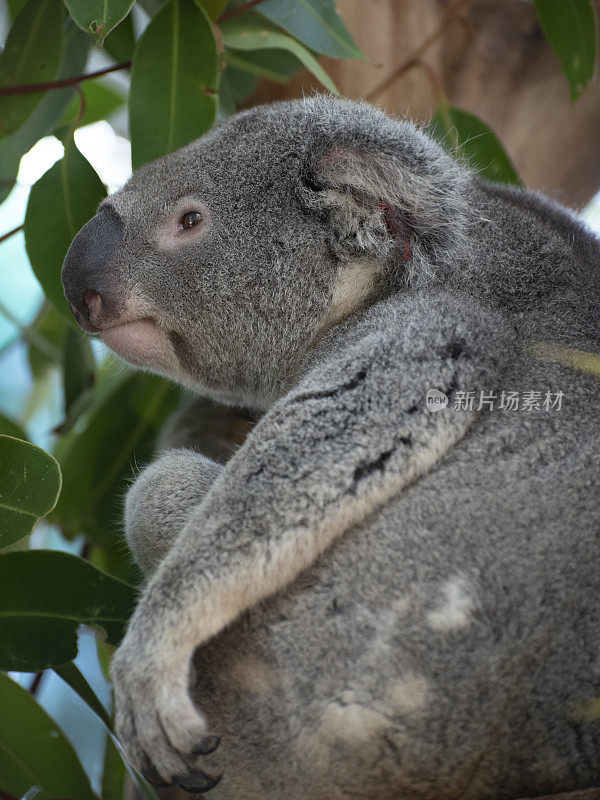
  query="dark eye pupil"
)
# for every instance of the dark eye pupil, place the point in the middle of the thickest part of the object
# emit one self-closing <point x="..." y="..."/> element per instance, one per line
<point x="190" y="219"/>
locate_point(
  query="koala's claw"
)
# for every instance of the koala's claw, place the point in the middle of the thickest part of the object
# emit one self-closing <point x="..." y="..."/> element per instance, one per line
<point x="208" y="745"/>
<point x="198" y="781"/>
<point x="162" y="732"/>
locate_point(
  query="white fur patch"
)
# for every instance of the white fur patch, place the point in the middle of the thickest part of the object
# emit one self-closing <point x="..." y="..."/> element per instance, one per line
<point x="351" y="723"/>
<point x="254" y="675"/>
<point x="454" y="611"/>
<point x="407" y="693"/>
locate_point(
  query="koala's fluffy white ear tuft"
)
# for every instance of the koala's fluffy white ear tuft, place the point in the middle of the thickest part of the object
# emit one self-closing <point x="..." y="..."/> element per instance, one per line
<point x="349" y="188"/>
<point x="387" y="203"/>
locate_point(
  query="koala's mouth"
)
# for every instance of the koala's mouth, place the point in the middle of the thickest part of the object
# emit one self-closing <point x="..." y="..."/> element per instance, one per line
<point x="140" y="341"/>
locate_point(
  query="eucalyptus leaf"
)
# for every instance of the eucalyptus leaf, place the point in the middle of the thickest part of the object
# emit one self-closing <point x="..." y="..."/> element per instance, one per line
<point x="120" y="43"/>
<point x="10" y="428"/>
<point x="214" y="8"/>
<point x="49" y="327"/>
<point x="46" y="113"/>
<point x="38" y="626"/>
<point x="467" y="137"/>
<point x="79" y="367"/>
<point x="570" y="27"/>
<point x="275" y="65"/>
<point x="249" y="31"/>
<point x="120" y="432"/>
<point x="316" y="23"/>
<point x="236" y="85"/>
<point x="173" y="99"/>
<point x="72" y="676"/>
<point x="14" y="7"/>
<point x="31" y="55"/>
<point x="114" y="773"/>
<point x="60" y="203"/>
<point x="100" y="102"/>
<point x="34" y="751"/>
<point x="151" y="7"/>
<point x="98" y="17"/>
<point x="30" y="482"/>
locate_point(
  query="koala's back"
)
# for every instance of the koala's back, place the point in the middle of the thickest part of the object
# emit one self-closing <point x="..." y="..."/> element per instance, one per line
<point x="447" y="648"/>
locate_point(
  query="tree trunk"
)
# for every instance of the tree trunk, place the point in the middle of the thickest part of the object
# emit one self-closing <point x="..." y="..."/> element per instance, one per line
<point x="493" y="60"/>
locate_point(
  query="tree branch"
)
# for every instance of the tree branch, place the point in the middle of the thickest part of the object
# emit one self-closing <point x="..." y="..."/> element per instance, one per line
<point x="35" y="683"/>
<point x="451" y="15"/>
<point x="240" y="10"/>
<point x="6" y="236"/>
<point x="63" y="83"/>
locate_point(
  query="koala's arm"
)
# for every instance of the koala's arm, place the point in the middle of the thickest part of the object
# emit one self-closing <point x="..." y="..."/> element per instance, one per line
<point x="197" y="441"/>
<point x="159" y="503"/>
<point x="352" y="434"/>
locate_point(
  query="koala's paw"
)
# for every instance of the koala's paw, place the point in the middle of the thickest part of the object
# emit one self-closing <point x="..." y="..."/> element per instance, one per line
<point x="162" y="732"/>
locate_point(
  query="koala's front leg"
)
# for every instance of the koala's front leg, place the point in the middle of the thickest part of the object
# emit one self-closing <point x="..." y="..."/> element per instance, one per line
<point x="160" y="501"/>
<point x="198" y="439"/>
<point x="355" y="432"/>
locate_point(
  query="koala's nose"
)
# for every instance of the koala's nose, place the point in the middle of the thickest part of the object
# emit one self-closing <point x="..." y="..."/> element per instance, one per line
<point x="90" y="280"/>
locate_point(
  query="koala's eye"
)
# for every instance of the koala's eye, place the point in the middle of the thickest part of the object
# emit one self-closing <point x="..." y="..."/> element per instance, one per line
<point x="189" y="220"/>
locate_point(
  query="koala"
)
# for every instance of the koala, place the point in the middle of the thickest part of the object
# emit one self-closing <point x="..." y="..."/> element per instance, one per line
<point x="390" y="588"/>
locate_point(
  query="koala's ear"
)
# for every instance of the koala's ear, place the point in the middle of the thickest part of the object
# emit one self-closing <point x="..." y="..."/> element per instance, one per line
<point x="381" y="204"/>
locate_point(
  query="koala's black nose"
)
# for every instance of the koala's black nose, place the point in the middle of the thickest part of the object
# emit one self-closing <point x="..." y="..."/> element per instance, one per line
<point x="90" y="280"/>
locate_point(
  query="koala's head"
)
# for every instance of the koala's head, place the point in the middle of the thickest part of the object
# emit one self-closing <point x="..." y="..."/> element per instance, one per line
<point x="221" y="265"/>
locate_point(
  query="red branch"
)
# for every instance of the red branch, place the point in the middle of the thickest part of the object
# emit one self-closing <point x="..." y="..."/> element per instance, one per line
<point x="63" y="83"/>
<point x="6" y="236"/>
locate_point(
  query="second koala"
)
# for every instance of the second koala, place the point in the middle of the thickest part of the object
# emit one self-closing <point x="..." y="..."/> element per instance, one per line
<point x="368" y="600"/>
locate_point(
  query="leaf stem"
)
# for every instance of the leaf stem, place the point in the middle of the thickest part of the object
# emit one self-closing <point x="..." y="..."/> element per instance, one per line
<point x="6" y="236"/>
<point x="30" y="88"/>
<point x="239" y="10"/>
<point x="452" y="14"/>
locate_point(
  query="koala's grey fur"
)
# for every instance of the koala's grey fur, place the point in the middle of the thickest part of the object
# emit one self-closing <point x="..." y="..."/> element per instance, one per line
<point x="381" y="602"/>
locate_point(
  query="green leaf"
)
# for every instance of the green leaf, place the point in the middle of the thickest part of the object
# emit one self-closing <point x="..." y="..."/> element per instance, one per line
<point x="173" y="99"/>
<point x="73" y="677"/>
<point x="316" y="23"/>
<point x="14" y="7"/>
<point x="98" y="17"/>
<point x="34" y="751"/>
<point x="114" y="778"/>
<point x="46" y="113"/>
<point x="570" y="27"/>
<point x="30" y="483"/>
<point x="236" y="85"/>
<point x="119" y="431"/>
<point x="79" y="367"/>
<point x="49" y="327"/>
<point x="10" y="428"/>
<point x="467" y="137"/>
<point x="214" y="8"/>
<point x="63" y="200"/>
<point x="114" y="773"/>
<point x="120" y="43"/>
<point x="275" y="65"/>
<point x="114" y="558"/>
<point x="31" y="55"/>
<point x="100" y="102"/>
<point x="250" y="32"/>
<point x="152" y="7"/>
<point x="38" y="627"/>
